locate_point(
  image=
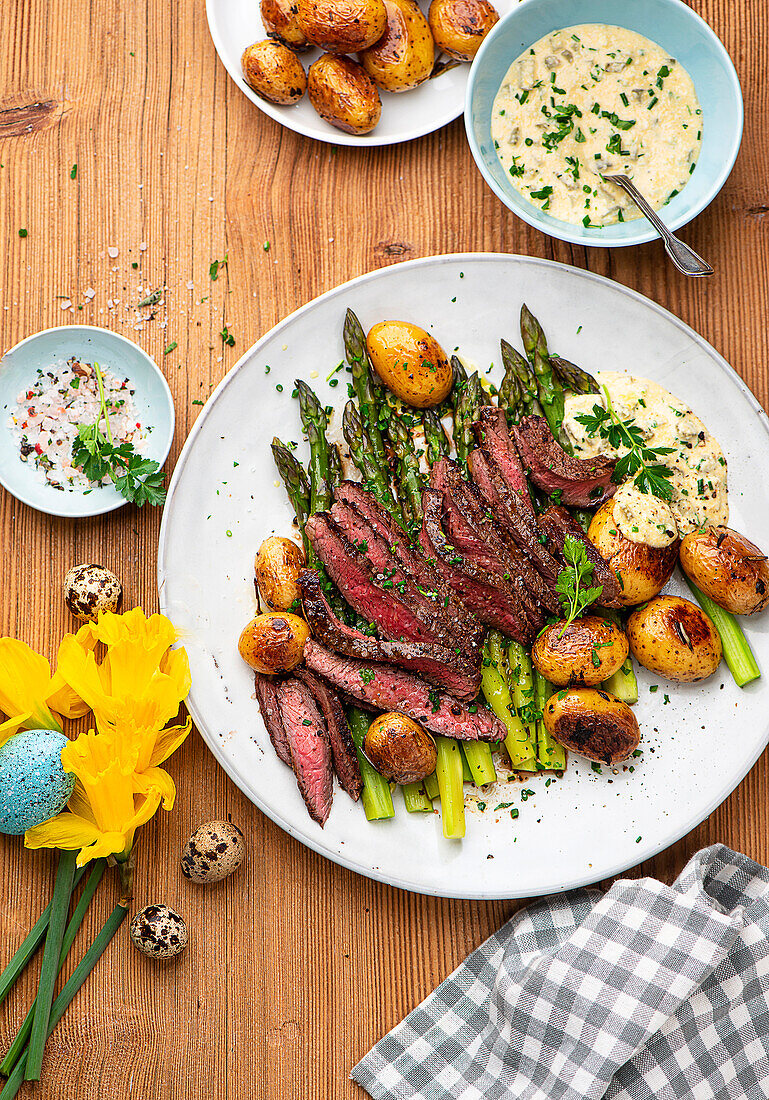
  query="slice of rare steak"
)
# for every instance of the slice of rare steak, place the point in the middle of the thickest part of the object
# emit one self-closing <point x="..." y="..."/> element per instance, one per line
<point x="267" y="698"/>
<point x="310" y="748"/>
<point x="582" y="483"/>
<point x="558" y="524"/>
<point x="342" y="748"/>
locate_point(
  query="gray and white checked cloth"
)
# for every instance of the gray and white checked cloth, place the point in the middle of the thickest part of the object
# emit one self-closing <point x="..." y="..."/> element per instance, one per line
<point x="646" y="991"/>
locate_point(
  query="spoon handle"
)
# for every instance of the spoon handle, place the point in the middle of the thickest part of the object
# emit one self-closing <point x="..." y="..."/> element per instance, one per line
<point x="686" y="259"/>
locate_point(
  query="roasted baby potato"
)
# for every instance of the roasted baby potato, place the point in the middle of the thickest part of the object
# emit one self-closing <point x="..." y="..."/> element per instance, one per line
<point x="343" y="94"/>
<point x="277" y="567"/>
<point x="405" y="54"/>
<point x="342" y="26"/>
<point x="273" y="643"/>
<point x="281" y="23"/>
<point x="727" y="567"/>
<point x="410" y="362"/>
<point x="642" y="570"/>
<point x="674" y="638"/>
<point x="400" y="749"/>
<point x="587" y="651"/>
<point x="274" y="72"/>
<point x="459" y="26"/>
<point x="593" y="723"/>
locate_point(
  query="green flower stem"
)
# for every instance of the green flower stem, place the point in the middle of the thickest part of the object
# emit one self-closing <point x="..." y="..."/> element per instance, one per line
<point x="17" y="1046"/>
<point x="62" y="892"/>
<point x="34" y="938"/>
<point x="71" y="987"/>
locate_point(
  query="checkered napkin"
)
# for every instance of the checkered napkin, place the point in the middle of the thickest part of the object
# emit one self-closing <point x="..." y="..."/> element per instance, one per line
<point x="646" y="991"/>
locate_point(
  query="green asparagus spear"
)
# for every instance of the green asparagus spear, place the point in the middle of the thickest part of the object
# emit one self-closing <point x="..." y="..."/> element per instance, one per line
<point x="510" y="391"/>
<point x="737" y="652"/>
<point x="367" y="388"/>
<point x="448" y="771"/>
<point x="466" y="411"/>
<point x="415" y="799"/>
<point x="409" y="474"/>
<point x="431" y="786"/>
<point x="573" y="378"/>
<point x="315" y="422"/>
<point x="436" y="440"/>
<point x="297" y="488"/>
<point x="496" y="689"/>
<point x="376" y="798"/>
<point x="528" y="399"/>
<point x="623" y="682"/>
<point x="548" y="385"/>
<point x="551" y="756"/>
<point x="480" y="762"/>
<point x="374" y="476"/>
<point x="334" y="466"/>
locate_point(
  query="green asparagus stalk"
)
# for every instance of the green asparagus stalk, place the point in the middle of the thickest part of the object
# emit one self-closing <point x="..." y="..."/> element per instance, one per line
<point x="465" y="413"/>
<point x="548" y="385"/>
<point x="510" y="390"/>
<point x="374" y="476"/>
<point x="448" y="771"/>
<point x="436" y="440"/>
<point x="467" y="775"/>
<point x="623" y="683"/>
<point x="550" y="755"/>
<point x="376" y="798"/>
<point x="315" y="422"/>
<point x="415" y="799"/>
<point x="431" y="786"/>
<point x="521" y="678"/>
<point x="480" y="762"/>
<point x="573" y="378"/>
<point x="737" y="652"/>
<point x="366" y="387"/>
<point x="496" y="689"/>
<point x="528" y="396"/>
<point x="409" y="473"/>
<point x="297" y="487"/>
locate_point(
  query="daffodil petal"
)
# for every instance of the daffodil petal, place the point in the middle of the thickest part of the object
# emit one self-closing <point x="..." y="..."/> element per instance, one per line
<point x="168" y="741"/>
<point x="160" y="779"/>
<point x="13" y="725"/>
<point x="66" y="830"/>
<point x="25" y="681"/>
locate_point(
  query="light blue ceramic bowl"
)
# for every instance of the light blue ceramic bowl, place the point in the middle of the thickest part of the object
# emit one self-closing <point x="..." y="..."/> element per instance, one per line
<point x="18" y="371"/>
<point x="679" y="31"/>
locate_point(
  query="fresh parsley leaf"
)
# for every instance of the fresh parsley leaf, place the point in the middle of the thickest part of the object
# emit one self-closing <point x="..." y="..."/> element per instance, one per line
<point x="574" y="584"/>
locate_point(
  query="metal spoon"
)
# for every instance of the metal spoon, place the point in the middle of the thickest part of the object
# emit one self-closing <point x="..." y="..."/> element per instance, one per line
<point x="686" y="259"/>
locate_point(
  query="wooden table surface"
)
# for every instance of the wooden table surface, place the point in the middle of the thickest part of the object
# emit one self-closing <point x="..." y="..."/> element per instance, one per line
<point x="295" y="966"/>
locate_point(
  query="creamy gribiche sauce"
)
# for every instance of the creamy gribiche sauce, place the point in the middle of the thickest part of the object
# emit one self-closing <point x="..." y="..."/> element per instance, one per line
<point x="595" y="99"/>
<point x="698" y="482"/>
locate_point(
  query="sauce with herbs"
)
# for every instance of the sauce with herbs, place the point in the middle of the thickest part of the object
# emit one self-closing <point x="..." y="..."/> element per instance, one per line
<point x="595" y="99"/>
<point x="698" y="482"/>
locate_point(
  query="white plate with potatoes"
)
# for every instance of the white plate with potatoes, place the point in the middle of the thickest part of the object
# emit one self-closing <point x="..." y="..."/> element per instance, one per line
<point x="698" y="740"/>
<point x="353" y="105"/>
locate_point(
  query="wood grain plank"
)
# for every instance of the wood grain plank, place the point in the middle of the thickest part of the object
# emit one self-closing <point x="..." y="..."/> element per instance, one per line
<point x="296" y="966"/>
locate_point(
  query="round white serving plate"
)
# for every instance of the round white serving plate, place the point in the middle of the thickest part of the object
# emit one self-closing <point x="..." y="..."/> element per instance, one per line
<point x="235" y="24"/>
<point x="699" y="741"/>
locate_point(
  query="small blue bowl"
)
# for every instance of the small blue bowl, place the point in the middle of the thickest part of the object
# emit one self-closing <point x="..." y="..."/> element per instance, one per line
<point x="18" y="371"/>
<point x="676" y="28"/>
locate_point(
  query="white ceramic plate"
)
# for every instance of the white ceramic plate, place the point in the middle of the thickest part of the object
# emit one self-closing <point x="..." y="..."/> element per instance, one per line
<point x="698" y="740"/>
<point x="235" y="24"/>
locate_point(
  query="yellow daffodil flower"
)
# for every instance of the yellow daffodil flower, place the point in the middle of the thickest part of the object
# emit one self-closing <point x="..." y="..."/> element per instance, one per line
<point x="13" y="725"/>
<point x="28" y="688"/>
<point x="109" y="801"/>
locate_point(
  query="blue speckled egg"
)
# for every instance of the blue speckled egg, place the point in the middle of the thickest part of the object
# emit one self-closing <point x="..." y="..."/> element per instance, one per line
<point x="33" y="784"/>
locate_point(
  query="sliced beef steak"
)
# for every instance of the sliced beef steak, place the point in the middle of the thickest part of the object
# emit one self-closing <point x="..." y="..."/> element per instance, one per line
<point x="342" y="748"/>
<point x="520" y="523"/>
<point x="582" y="483"/>
<point x="387" y="688"/>
<point x="492" y="433"/>
<point x="438" y="664"/>
<point x="309" y="744"/>
<point x="463" y="624"/>
<point x="494" y="605"/>
<point x="267" y="698"/>
<point x="557" y="523"/>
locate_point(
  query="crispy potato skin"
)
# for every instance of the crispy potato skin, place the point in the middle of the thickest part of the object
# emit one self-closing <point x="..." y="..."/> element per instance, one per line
<point x="643" y="571"/>
<point x="342" y="94"/>
<point x="281" y="23"/>
<point x="459" y="26"/>
<point x="404" y="56"/>
<point x="727" y="567"/>
<point x="587" y="651"/>
<point x="410" y="362"/>
<point x="674" y="638"/>
<point x="274" y="72"/>
<point x="341" y="26"/>
<point x="592" y="723"/>
<point x="274" y="642"/>
<point x="277" y="567"/>
<point x="400" y="749"/>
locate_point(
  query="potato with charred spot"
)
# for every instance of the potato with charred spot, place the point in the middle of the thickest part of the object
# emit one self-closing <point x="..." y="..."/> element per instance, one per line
<point x="410" y="362"/>
<point x="586" y="651"/>
<point x="342" y="26"/>
<point x="642" y="570"/>
<point x="727" y="567"/>
<point x="404" y="56"/>
<point x="277" y="567"/>
<point x="342" y="94"/>
<point x="281" y="23"/>
<point x="674" y="638"/>
<point x="274" y="643"/>
<point x="399" y="748"/>
<point x="459" y="26"/>
<point x="274" y="72"/>
<point x="592" y="723"/>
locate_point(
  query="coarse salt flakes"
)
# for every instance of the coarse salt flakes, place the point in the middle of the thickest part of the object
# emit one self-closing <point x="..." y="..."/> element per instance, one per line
<point x="113" y="252"/>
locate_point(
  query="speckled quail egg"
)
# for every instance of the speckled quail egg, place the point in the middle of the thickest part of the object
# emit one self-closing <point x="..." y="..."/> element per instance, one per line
<point x="33" y="784"/>
<point x="91" y="589"/>
<point x="214" y="851"/>
<point x="159" y="932"/>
